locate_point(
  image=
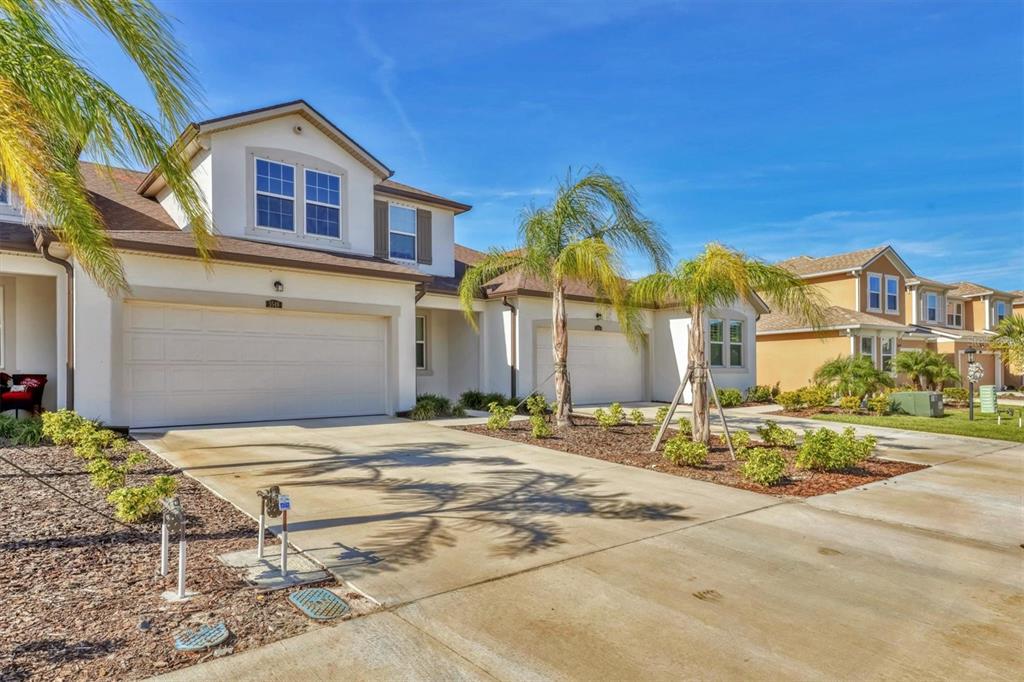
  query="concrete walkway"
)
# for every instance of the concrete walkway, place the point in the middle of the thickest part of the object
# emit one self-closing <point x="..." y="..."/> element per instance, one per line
<point x="498" y="560"/>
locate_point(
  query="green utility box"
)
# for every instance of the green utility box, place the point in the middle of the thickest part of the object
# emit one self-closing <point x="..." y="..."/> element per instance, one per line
<point x="918" y="403"/>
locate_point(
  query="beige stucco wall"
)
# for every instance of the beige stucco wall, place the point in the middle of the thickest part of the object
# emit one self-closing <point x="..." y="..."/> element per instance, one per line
<point x="974" y="314"/>
<point x="791" y="359"/>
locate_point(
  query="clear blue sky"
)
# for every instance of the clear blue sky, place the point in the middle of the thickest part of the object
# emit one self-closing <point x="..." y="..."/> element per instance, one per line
<point x="779" y="128"/>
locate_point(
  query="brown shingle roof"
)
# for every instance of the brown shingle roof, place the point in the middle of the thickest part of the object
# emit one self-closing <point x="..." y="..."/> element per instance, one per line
<point x="464" y="257"/>
<point x="968" y="289"/>
<point x="835" y="317"/>
<point x="398" y="189"/>
<point x="929" y="282"/>
<point x="113" y="193"/>
<point x="806" y="266"/>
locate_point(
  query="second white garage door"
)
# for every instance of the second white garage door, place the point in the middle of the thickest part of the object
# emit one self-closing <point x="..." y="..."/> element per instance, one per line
<point x="205" y="365"/>
<point x="602" y="367"/>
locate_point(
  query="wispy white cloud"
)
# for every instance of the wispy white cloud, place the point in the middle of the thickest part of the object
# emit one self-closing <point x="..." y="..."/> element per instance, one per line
<point x="484" y="193"/>
<point x="385" y="77"/>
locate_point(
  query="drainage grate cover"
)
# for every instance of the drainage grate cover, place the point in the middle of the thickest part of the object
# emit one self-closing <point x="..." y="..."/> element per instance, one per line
<point x="318" y="603"/>
<point x="202" y="637"/>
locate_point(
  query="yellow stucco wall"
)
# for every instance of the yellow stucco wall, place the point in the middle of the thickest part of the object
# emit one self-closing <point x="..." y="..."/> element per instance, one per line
<point x="883" y="266"/>
<point x="790" y="359"/>
<point x="838" y="290"/>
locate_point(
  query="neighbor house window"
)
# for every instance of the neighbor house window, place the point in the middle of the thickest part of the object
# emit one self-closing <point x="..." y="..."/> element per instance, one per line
<point x="931" y="307"/>
<point x="735" y="343"/>
<point x="421" y="342"/>
<point x="888" y="350"/>
<point x="402" y="224"/>
<point x="1000" y="312"/>
<point x="275" y="195"/>
<point x="874" y="292"/>
<point x="867" y="347"/>
<point x="323" y="204"/>
<point x="892" y="294"/>
<point x="955" y="314"/>
<point x="716" y="342"/>
<point x="4" y="199"/>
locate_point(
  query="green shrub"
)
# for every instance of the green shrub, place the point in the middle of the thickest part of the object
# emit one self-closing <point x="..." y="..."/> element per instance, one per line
<point x="105" y="475"/>
<point x="740" y="439"/>
<point x="539" y="426"/>
<point x="604" y="420"/>
<point x="762" y="394"/>
<point x="472" y="400"/>
<point x="62" y="427"/>
<point x="431" y="406"/>
<point x="617" y="413"/>
<point x="136" y="503"/>
<point x="816" y="396"/>
<point x="681" y="450"/>
<point x="660" y="415"/>
<point x="8" y="422"/>
<point x="776" y="436"/>
<point x="790" y="400"/>
<point x="730" y="397"/>
<point x="90" y="441"/>
<point x="849" y="403"/>
<point x="27" y="432"/>
<point x="826" y="450"/>
<point x="880" y="404"/>
<point x="955" y="395"/>
<point x="501" y="415"/>
<point x="685" y="427"/>
<point x="764" y="466"/>
<point x="537" y="405"/>
<point x="637" y="417"/>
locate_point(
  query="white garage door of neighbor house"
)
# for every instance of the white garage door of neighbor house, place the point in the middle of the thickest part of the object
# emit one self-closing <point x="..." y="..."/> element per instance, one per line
<point x="602" y="367"/>
<point x="204" y="365"/>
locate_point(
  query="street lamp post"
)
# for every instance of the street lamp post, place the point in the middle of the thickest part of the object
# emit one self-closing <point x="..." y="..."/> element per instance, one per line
<point x="971" y="372"/>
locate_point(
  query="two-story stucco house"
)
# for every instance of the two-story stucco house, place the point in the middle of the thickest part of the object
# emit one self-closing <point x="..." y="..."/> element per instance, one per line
<point x="331" y="293"/>
<point x="878" y="307"/>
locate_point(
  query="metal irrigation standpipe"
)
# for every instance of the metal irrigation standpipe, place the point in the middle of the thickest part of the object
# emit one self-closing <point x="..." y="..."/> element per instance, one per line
<point x="173" y="521"/>
<point x="274" y="504"/>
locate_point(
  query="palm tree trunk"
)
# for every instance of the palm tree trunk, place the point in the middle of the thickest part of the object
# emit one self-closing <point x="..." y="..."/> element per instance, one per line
<point x="701" y="427"/>
<point x="560" y="354"/>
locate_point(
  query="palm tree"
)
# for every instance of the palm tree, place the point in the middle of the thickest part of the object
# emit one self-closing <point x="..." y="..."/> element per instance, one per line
<point x="53" y="109"/>
<point x="926" y="367"/>
<point x="853" y="376"/>
<point x="583" y="235"/>
<point x="1009" y="340"/>
<point x="716" y="278"/>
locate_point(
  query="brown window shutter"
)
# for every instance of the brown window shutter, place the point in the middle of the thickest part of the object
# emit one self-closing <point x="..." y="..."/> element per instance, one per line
<point x="380" y="229"/>
<point x="424" y="239"/>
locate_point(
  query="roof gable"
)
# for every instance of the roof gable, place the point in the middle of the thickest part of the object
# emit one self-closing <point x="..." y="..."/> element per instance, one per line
<point x="851" y="261"/>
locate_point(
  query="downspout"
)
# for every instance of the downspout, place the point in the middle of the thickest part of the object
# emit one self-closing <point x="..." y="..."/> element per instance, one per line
<point x="44" y="248"/>
<point x="512" y="368"/>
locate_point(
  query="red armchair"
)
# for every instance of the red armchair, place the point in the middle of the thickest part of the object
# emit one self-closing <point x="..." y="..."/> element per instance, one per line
<point x="30" y="399"/>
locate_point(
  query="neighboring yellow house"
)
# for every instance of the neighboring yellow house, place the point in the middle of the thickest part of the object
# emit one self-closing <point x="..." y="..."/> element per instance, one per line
<point x="878" y="307"/>
<point x="866" y="316"/>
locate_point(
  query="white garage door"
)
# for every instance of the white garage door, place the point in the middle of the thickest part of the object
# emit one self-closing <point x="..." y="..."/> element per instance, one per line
<point x="198" y="365"/>
<point x="602" y="367"/>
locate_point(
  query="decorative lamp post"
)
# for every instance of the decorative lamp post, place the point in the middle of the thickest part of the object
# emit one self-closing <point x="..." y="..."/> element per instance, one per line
<point x="974" y="373"/>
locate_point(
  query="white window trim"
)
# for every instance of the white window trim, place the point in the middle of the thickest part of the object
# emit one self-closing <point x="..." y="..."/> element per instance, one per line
<point x="306" y="200"/>
<point x="881" y="292"/>
<point x="927" y="297"/>
<point x="426" y="361"/>
<point x="729" y="343"/>
<point x="885" y="284"/>
<point x="881" y="352"/>
<point x="955" y="314"/>
<point x="860" y="349"/>
<point x="391" y="230"/>
<point x="256" y="197"/>
<point x="995" y="312"/>
<point x="725" y="360"/>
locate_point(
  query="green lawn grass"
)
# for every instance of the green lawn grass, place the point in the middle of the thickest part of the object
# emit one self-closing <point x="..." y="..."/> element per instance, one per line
<point x="954" y="423"/>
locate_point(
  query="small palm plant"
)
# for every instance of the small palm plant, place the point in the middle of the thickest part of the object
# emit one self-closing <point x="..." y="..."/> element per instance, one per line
<point x="582" y="236"/>
<point x="718" y="277"/>
<point x="926" y="367"/>
<point x="53" y="108"/>
<point x="1009" y="340"/>
<point x="854" y="377"/>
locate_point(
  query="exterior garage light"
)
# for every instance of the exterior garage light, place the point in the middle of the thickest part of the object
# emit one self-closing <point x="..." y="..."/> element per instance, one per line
<point x="278" y="286"/>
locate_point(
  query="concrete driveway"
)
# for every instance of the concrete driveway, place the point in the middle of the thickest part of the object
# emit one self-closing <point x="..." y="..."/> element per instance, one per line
<point x="498" y="560"/>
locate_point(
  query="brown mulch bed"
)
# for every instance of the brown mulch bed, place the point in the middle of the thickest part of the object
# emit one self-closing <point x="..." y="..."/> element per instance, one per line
<point x="629" y="444"/>
<point x="80" y="594"/>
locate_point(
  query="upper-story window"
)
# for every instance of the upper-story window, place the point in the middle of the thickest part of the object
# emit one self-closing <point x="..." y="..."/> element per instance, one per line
<point x="323" y="204"/>
<point x="4" y="197"/>
<point x="931" y="307"/>
<point x="402" y="226"/>
<point x="1000" y="309"/>
<point x="954" y="314"/>
<point x="275" y="195"/>
<point x="874" y="292"/>
<point x="892" y="294"/>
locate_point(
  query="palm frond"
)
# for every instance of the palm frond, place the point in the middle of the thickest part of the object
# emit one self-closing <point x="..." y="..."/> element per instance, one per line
<point x="496" y="262"/>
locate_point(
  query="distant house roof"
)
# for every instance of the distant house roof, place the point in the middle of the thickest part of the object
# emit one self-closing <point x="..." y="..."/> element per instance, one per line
<point x="1018" y="295"/>
<point x="835" y="317"/>
<point x="973" y="289"/>
<point x="807" y="266"/>
<point x="929" y="282"/>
